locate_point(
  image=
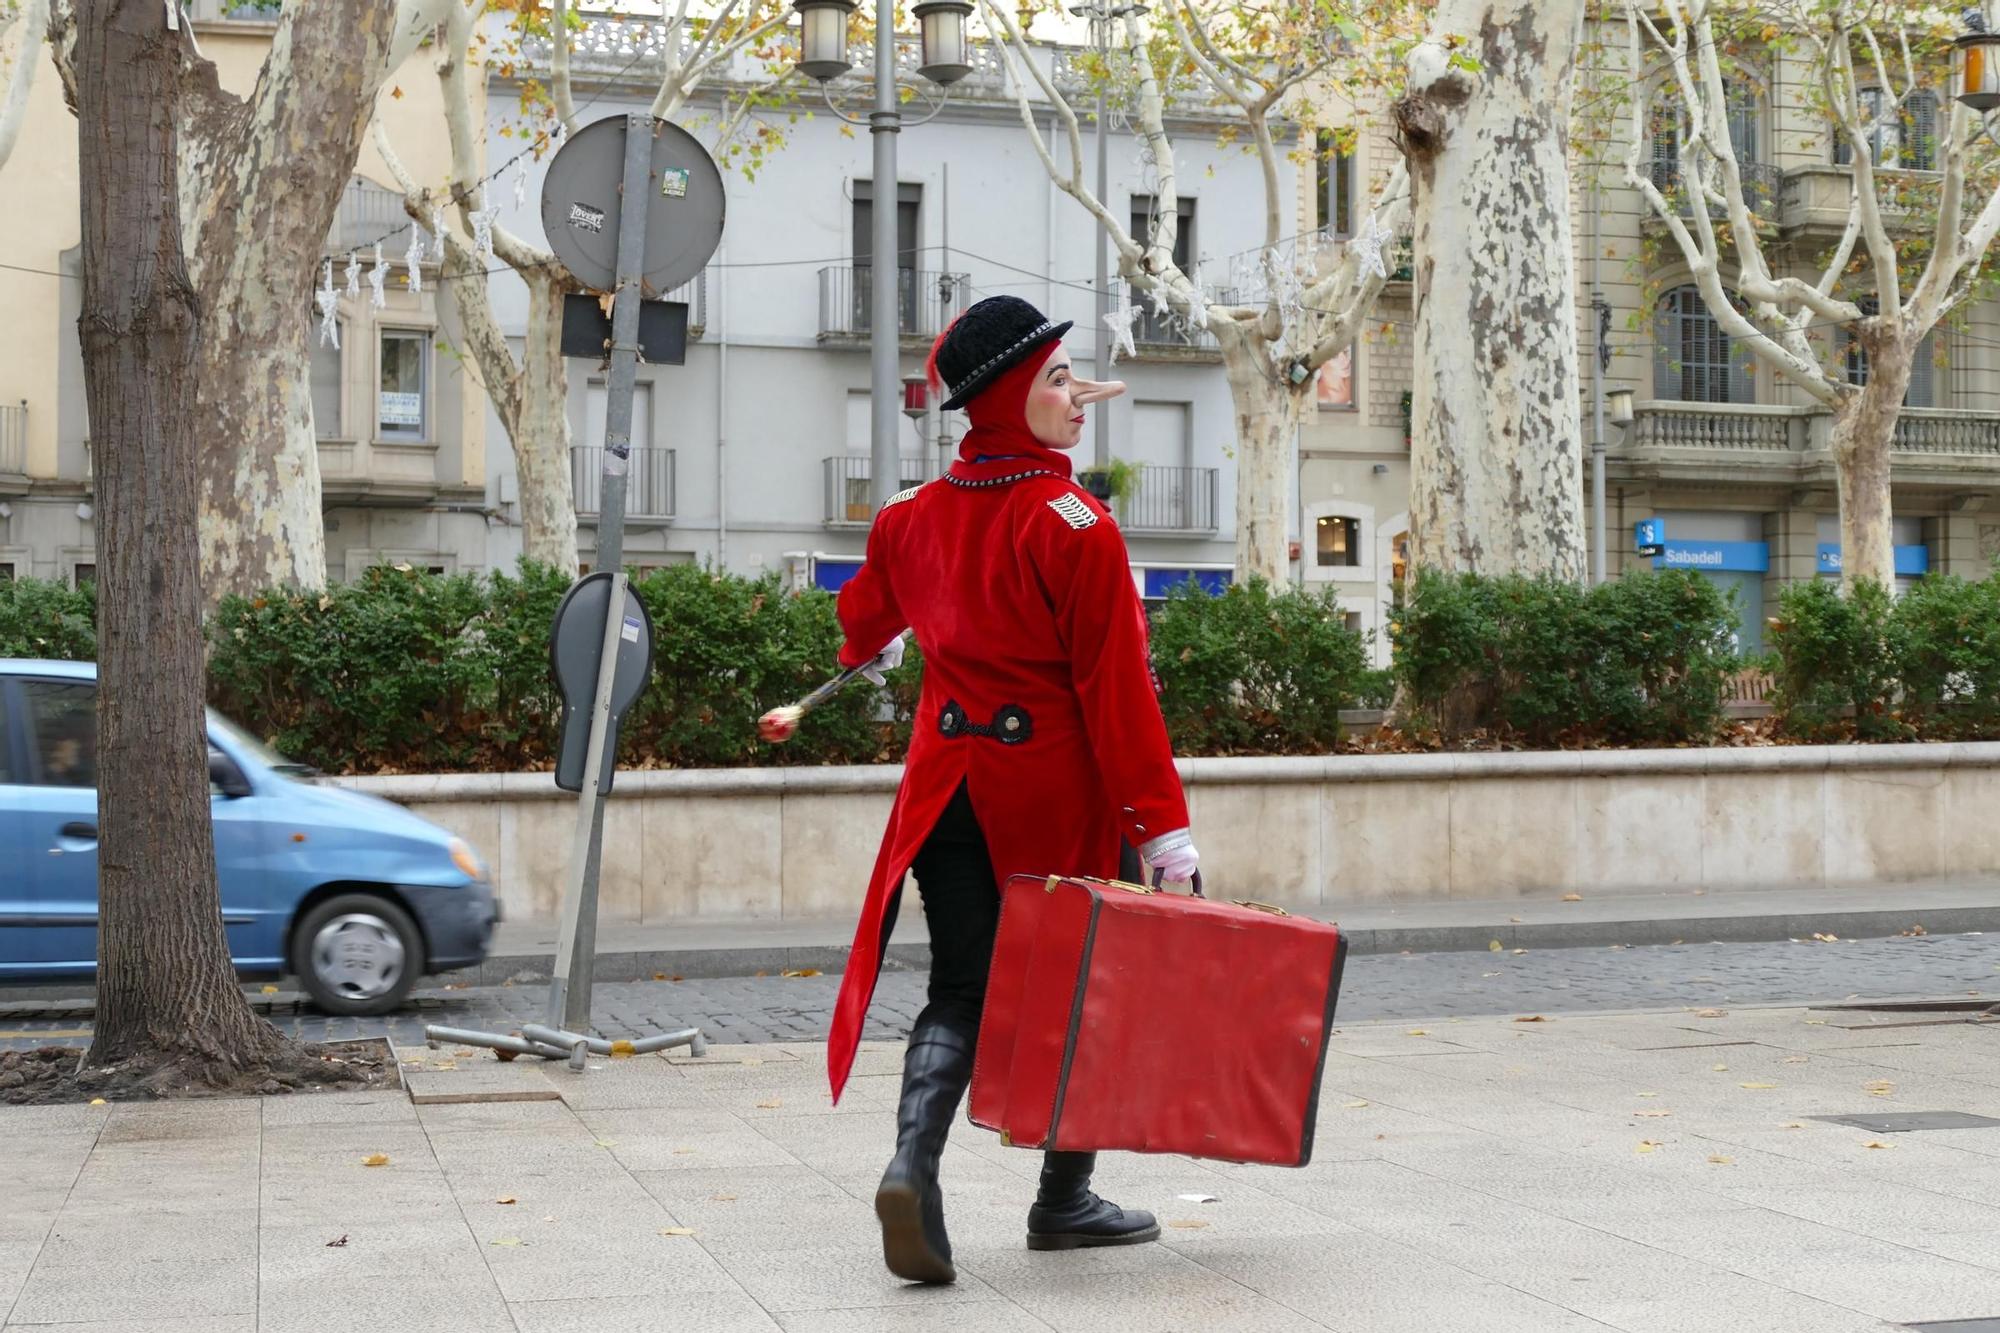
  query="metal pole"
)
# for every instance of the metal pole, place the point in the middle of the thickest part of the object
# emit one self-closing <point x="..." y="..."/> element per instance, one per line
<point x="569" y="1004"/>
<point x="885" y="322"/>
<point x="1101" y="414"/>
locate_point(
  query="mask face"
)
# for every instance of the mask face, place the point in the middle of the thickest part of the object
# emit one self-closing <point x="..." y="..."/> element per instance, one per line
<point x="1054" y="417"/>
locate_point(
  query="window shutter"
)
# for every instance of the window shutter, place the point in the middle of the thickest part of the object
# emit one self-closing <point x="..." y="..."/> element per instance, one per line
<point x="1666" y="148"/>
<point x="1923" y="375"/>
<point x="1666" y="346"/>
<point x="1742" y="102"/>
<point x="1920" y="132"/>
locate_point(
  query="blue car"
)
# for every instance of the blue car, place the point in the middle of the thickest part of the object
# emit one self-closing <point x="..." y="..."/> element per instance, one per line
<point x="355" y="896"/>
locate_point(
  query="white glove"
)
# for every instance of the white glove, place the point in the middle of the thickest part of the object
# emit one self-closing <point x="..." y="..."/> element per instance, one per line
<point x="1173" y="855"/>
<point x="887" y="660"/>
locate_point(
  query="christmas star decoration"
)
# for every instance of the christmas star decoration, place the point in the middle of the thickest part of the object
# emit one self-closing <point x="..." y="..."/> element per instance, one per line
<point x="328" y="303"/>
<point x="353" y="273"/>
<point x="482" y="229"/>
<point x="1367" y="246"/>
<point x="1119" y="322"/>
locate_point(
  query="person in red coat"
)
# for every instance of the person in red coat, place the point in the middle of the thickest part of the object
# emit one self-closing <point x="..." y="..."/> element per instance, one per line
<point x="1037" y="746"/>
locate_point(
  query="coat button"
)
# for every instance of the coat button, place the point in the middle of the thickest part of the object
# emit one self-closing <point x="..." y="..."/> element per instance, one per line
<point x="1013" y="724"/>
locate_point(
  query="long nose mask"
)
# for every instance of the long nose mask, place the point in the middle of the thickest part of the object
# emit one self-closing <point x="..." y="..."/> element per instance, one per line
<point x="1084" y="392"/>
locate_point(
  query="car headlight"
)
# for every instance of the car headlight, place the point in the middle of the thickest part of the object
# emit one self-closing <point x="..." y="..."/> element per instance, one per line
<point x="466" y="859"/>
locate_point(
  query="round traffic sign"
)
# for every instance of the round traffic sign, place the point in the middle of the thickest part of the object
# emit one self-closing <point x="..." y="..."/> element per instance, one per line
<point x="684" y="205"/>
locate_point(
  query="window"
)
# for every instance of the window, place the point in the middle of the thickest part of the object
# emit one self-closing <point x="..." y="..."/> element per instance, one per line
<point x="1152" y="327"/>
<point x="82" y="574"/>
<point x="1339" y="541"/>
<point x="1333" y="387"/>
<point x="1910" y="142"/>
<point x="62" y="725"/>
<point x="401" y="411"/>
<point x="1923" y="367"/>
<point x="1693" y="359"/>
<point x="326" y="389"/>
<point x="1334" y="197"/>
<point x="1742" y="106"/>
<point x="909" y="201"/>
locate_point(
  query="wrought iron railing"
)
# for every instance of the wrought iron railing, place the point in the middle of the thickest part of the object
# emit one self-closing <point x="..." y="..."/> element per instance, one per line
<point x="850" y="491"/>
<point x="1170" y="499"/>
<point x="1155" y="332"/>
<point x="14" y="437"/>
<point x="649" y="484"/>
<point x="925" y="302"/>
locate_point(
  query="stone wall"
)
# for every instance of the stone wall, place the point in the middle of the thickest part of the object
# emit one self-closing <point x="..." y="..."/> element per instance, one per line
<point x="798" y="844"/>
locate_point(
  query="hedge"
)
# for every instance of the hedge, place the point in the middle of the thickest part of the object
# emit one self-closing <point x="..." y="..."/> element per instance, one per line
<point x="405" y="671"/>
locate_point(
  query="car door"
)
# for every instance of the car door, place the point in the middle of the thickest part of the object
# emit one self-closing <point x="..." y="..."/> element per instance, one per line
<point x="58" y="807"/>
<point x="19" y="941"/>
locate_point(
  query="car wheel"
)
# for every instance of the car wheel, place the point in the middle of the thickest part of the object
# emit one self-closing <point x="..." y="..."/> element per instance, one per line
<point x="358" y="954"/>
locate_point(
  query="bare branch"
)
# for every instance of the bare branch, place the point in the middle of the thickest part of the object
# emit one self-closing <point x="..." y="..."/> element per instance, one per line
<point x="18" y="76"/>
<point x="560" y="89"/>
<point x="675" y="92"/>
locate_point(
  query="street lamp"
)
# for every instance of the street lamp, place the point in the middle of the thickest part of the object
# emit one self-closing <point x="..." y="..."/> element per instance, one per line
<point x="823" y="48"/>
<point x="1975" y="69"/>
<point x="1101" y="13"/>
<point x="1619" y="404"/>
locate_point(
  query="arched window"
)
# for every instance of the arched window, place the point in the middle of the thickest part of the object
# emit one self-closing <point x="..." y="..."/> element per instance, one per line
<point x="1694" y="361"/>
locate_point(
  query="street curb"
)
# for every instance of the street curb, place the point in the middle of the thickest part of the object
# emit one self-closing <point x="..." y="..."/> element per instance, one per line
<point x="750" y="962"/>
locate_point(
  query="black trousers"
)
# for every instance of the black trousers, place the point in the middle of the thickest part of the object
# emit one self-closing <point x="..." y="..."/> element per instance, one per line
<point x="954" y="874"/>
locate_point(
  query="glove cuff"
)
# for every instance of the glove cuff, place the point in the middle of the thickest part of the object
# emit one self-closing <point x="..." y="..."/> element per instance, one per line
<point x="1167" y="842"/>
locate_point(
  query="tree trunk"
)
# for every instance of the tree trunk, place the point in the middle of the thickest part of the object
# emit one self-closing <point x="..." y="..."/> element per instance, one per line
<point x="268" y="175"/>
<point x="1496" y="463"/>
<point x="166" y="992"/>
<point x="1267" y="421"/>
<point x="1864" y="427"/>
<point x="540" y="433"/>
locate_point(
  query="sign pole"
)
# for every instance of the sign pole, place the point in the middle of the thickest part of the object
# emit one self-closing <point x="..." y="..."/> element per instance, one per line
<point x="635" y="193"/>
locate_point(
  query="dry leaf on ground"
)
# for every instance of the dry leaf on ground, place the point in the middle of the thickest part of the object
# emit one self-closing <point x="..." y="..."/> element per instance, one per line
<point x="803" y="972"/>
<point x="1720" y="1160"/>
<point x="1874" y="1143"/>
<point x="1711" y="1013"/>
<point x="376" y="1159"/>
<point x="1572" y="897"/>
<point x="340" y="1244"/>
<point x="771" y="1105"/>
<point x="1647" y="1145"/>
<point x="1757" y="1087"/>
<point x="622" y="1050"/>
<point x="1720" y="1069"/>
<point x="1519" y="952"/>
<point x="505" y="1198"/>
<point x="1495" y="946"/>
<point x="1354" y="1106"/>
<point x="1416" y="1032"/>
<point x="676" y="1231"/>
<point x="1187" y="1224"/>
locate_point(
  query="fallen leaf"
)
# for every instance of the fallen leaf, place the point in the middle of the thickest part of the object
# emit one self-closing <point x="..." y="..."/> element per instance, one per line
<point x="1572" y="897"/>
<point x="1677" y="941"/>
<point x="1827" y="939"/>
<point x="270" y="990"/>
<point x="1197" y="1198"/>
<point x="657" y="976"/>
<point x="1720" y="1160"/>
<point x="771" y="1105"/>
<point x="1519" y="952"/>
<point x="397" y="93"/>
<point x="508" y="1241"/>
<point x="376" y="1159"/>
<point x="1795" y="1059"/>
<point x="505" y="1198"/>
<point x="340" y="1244"/>
<point x="607" y="1143"/>
<point x="1649" y="1094"/>
<point x="1416" y="1032"/>
<point x="1792" y="1125"/>
<point x="676" y="1231"/>
<point x="1711" y="1013"/>
<point x="803" y="972"/>
<point x="1647" y="1145"/>
<point x="1515" y="919"/>
<point x="1720" y="1069"/>
<point x="1653" y="1115"/>
<point x="1880" y="1085"/>
<point x="1187" y="1224"/>
<point x="1354" y="1106"/>
<point x="1757" y="1087"/>
<point x="1875" y="1143"/>
<point x="1494" y="946"/>
<point x="1532" y="1018"/>
<point x="1815" y="1022"/>
<point x="97" y="1101"/>
<point x="722" y="1198"/>
<point x="1489" y="974"/>
<point x="622" y="1050"/>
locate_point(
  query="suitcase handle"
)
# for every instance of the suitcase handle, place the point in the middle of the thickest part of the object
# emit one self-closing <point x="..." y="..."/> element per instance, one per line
<point x="1194" y="887"/>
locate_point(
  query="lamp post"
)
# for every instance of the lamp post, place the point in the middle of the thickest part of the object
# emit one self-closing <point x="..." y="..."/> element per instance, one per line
<point x="1101" y="13"/>
<point x="1975" y="69"/>
<point x="823" y="50"/>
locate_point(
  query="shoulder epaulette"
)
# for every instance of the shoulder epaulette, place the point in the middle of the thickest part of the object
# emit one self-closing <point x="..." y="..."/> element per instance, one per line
<point x="1070" y="507"/>
<point x="901" y="496"/>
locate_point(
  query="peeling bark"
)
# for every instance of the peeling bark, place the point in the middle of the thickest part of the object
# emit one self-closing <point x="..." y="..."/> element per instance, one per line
<point x="1496" y="465"/>
<point x="1267" y="419"/>
<point x="539" y="431"/>
<point x="1862" y="442"/>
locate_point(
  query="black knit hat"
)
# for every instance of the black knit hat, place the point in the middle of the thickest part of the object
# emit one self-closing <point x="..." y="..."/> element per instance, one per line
<point x="985" y="341"/>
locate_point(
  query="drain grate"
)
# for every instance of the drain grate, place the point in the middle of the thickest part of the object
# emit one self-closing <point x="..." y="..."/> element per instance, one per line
<point x="1904" y="1122"/>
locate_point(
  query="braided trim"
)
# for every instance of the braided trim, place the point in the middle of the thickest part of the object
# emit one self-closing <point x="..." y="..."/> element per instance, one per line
<point x="1008" y="480"/>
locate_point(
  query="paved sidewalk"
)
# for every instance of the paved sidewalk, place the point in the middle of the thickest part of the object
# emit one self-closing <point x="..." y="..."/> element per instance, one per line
<point x="1652" y="1173"/>
<point x="631" y="951"/>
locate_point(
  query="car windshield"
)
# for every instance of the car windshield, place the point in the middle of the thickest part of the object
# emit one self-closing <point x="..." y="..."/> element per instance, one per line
<point x="259" y="751"/>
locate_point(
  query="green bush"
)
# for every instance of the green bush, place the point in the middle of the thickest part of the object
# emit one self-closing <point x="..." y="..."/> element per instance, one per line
<point x="49" y="620"/>
<point x="1645" y="658"/>
<point x="1945" y="639"/>
<point x="1255" y="669"/>
<point x="1834" y="654"/>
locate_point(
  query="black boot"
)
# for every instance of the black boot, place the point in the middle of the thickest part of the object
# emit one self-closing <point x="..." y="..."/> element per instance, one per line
<point x="936" y="1068"/>
<point x="1067" y="1216"/>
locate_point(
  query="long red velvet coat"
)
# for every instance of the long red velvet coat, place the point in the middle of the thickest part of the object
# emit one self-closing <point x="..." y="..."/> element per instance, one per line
<point x="1017" y="585"/>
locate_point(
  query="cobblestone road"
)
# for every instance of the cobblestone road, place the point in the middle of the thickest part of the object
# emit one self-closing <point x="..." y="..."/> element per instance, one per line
<point x="1414" y="986"/>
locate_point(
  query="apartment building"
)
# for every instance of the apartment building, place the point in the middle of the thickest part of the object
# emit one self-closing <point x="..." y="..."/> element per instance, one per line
<point x="1730" y="459"/>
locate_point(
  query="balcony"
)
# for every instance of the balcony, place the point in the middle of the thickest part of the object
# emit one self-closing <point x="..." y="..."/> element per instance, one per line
<point x="1169" y="500"/>
<point x="694" y="295"/>
<point x="1670" y="441"/>
<point x="649" y="484"/>
<point x="850" y="491"/>
<point x="925" y="304"/>
<point x="1762" y="184"/>
<point x="1157" y="337"/>
<point x="1816" y="199"/>
<point x="14" y="442"/>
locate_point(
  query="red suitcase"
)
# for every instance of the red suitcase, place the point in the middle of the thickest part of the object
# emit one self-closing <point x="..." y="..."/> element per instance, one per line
<point x="1122" y="1018"/>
